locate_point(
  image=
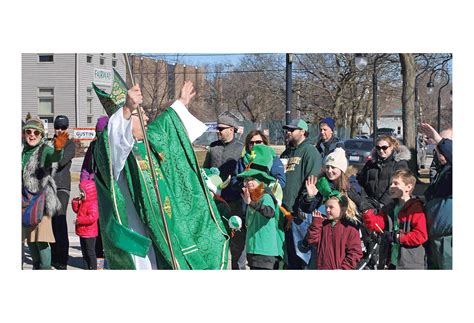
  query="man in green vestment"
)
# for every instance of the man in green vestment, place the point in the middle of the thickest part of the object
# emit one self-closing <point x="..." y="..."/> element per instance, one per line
<point x="133" y="234"/>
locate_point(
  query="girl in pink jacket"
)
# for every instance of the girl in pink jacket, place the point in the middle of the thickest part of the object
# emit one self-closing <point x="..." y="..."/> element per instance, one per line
<point x="87" y="211"/>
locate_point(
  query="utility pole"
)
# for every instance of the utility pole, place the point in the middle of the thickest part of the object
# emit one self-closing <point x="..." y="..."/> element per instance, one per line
<point x="289" y="86"/>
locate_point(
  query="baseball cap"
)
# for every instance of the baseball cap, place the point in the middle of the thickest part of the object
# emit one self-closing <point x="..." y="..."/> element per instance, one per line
<point x="297" y="124"/>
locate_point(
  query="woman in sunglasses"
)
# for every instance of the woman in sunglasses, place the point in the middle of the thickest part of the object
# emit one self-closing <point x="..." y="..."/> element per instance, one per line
<point x="376" y="175"/>
<point x="37" y="158"/>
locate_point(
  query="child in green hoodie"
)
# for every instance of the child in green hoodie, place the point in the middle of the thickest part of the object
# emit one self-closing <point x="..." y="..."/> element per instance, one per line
<point x="265" y="236"/>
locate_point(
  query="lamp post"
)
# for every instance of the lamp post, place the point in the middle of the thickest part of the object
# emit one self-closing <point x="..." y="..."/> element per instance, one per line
<point x="430" y="86"/>
<point x="361" y="61"/>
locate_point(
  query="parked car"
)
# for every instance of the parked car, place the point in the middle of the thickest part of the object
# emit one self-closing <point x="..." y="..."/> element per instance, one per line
<point x="358" y="151"/>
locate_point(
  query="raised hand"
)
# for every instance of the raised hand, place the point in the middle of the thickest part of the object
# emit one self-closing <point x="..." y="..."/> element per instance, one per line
<point x="317" y="214"/>
<point x="60" y="140"/>
<point x="311" y="186"/>
<point x="187" y="93"/>
<point x="246" y="195"/>
<point x="430" y="132"/>
<point x="134" y="98"/>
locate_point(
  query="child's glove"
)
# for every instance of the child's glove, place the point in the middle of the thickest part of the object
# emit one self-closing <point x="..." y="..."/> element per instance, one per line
<point x="60" y="140"/>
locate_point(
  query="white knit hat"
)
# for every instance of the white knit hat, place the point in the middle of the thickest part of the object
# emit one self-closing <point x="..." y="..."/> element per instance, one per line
<point x="337" y="159"/>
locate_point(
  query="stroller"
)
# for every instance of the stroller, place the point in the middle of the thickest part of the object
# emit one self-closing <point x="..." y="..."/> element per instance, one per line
<point x="375" y="250"/>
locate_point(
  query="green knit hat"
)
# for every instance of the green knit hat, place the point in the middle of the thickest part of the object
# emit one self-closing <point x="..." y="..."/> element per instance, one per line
<point x="261" y="161"/>
<point x="34" y="123"/>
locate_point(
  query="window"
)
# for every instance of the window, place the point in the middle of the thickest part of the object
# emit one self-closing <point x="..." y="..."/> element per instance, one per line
<point x="102" y="59"/>
<point x="114" y="62"/>
<point x="89" y="102"/>
<point x="89" y="119"/>
<point x="89" y="105"/>
<point x="89" y="59"/>
<point x="45" y="101"/>
<point x="114" y="55"/>
<point x="43" y="58"/>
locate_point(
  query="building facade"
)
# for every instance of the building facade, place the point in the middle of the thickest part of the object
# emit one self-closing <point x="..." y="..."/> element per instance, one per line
<point x="61" y="84"/>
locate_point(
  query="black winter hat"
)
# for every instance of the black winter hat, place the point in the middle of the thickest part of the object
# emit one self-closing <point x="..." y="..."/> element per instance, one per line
<point x="61" y="121"/>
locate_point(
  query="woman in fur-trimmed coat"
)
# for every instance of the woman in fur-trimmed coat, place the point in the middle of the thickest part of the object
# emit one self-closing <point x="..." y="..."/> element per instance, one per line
<point x="376" y="175"/>
<point x="37" y="158"/>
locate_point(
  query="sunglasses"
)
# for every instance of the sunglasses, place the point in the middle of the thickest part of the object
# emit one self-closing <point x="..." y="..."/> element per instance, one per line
<point x="292" y="129"/>
<point x="30" y="132"/>
<point x="382" y="147"/>
<point x="60" y="128"/>
<point x="256" y="142"/>
<point x="220" y="129"/>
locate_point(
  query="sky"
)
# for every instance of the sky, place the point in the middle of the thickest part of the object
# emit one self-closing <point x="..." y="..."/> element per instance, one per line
<point x="201" y="59"/>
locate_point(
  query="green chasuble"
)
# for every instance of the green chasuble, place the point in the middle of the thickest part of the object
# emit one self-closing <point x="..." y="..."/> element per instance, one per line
<point x="198" y="236"/>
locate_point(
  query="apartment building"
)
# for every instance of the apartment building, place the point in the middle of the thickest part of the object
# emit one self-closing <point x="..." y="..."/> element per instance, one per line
<point x="61" y="84"/>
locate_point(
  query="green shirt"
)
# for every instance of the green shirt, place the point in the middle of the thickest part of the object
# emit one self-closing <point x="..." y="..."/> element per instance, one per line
<point x="395" y="245"/>
<point x="303" y="161"/>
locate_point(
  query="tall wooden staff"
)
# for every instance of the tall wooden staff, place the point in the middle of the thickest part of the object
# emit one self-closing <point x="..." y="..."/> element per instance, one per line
<point x="153" y="175"/>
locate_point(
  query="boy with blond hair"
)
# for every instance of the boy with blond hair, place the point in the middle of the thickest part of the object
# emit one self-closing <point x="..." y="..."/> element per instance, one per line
<point x="403" y="223"/>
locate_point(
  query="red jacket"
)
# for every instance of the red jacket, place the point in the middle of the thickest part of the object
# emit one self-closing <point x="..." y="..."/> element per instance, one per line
<point x="87" y="211"/>
<point x="338" y="246"/>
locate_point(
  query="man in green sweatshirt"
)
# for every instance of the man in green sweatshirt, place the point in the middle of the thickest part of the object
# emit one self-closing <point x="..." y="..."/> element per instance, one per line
<point x="302" y="160"/>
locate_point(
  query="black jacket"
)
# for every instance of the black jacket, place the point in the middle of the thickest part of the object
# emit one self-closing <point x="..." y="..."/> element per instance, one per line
<point x="442" y="185"/>
<point x="62" y="171"/>
<point x="376" y="175"/>
<point x="224" y="156"/>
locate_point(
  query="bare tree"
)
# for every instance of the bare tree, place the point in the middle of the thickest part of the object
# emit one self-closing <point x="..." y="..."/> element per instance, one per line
<point x="408" y="65"/>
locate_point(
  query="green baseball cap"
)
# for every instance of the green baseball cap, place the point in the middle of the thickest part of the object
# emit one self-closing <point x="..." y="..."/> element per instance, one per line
<point x="297" y="124"/>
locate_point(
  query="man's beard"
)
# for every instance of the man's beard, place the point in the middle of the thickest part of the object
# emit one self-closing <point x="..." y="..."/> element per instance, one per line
<point x="257" y="193"/>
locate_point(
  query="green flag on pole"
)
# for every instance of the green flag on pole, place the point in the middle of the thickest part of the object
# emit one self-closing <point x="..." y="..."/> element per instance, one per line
<point x="116" y="99"/>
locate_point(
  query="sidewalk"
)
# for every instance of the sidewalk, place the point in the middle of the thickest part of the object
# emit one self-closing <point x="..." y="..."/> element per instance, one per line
<point x="75" y="255"/>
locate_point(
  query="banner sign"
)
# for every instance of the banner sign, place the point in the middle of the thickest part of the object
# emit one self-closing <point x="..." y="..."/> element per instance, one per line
<point x="83" y="133"/>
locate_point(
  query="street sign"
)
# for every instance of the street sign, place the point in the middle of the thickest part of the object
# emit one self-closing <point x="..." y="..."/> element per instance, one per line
<point x="83" y="133"/>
